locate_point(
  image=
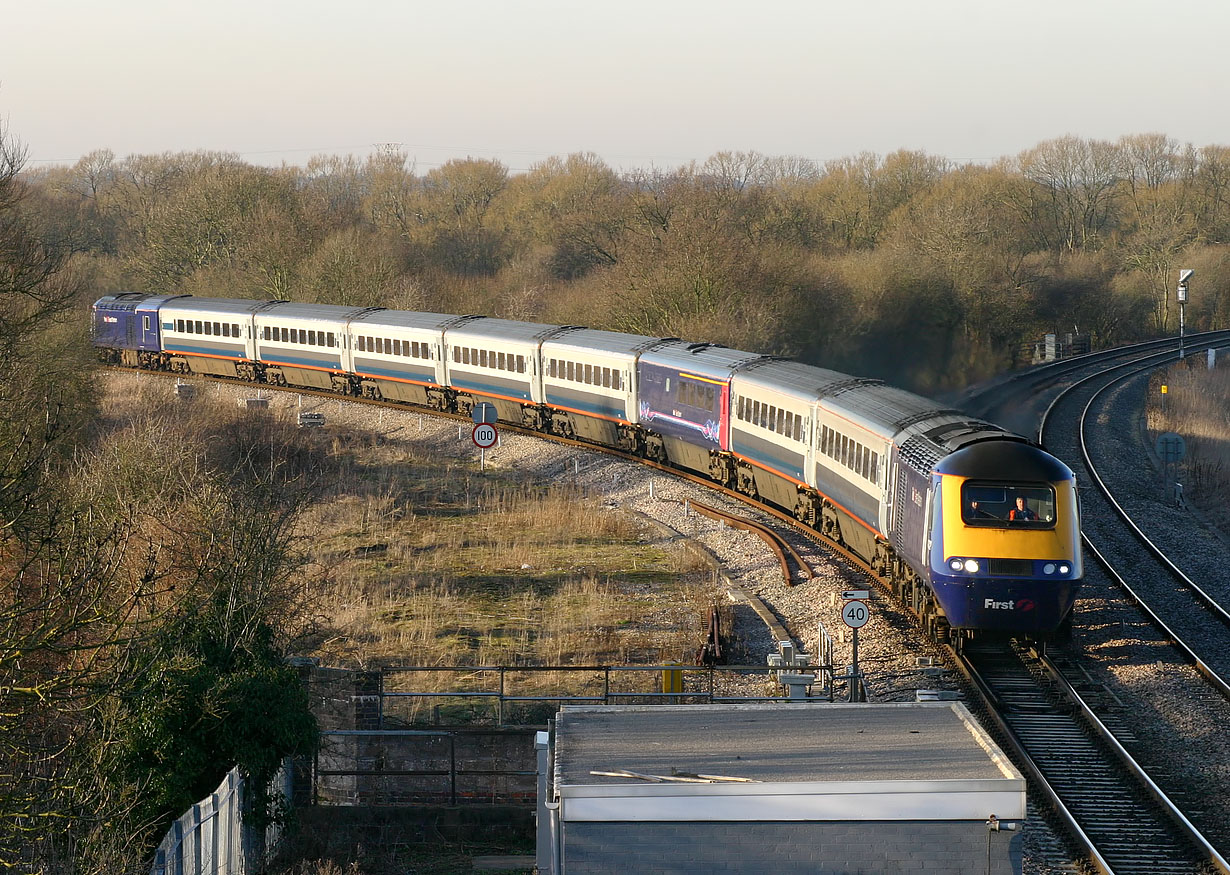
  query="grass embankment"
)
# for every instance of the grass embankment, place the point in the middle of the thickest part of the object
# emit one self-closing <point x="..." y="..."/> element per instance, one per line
<point x="414" y="557"/>
<point x="1197" y="407"/>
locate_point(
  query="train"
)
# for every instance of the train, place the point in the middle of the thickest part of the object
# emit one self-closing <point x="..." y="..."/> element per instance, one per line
<point x="976" y="529"/>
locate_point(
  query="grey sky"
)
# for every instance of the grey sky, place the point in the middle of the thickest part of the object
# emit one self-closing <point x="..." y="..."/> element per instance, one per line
<point x="639" y="83"/>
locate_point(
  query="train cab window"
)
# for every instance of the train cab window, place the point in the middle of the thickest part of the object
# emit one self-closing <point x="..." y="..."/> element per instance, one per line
<point x="1008" y="505"/>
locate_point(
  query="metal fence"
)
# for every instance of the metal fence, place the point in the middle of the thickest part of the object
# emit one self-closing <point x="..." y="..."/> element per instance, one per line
<point x="211" y="838"/>
<point x="529" y="695"/>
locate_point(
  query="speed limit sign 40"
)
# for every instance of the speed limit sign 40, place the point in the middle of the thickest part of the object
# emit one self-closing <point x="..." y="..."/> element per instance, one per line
<point x="855" y="614"/>
<point x="485" y="435"/>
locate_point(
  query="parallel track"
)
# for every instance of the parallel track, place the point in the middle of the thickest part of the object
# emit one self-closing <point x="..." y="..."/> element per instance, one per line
<point x="1120" y="817"/>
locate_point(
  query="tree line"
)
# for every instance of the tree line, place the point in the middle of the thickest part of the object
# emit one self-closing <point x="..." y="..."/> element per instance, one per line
<point x="905" y="266"/>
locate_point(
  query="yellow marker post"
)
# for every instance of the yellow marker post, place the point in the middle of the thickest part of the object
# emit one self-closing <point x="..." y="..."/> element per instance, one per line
<point x="672" y="679"/>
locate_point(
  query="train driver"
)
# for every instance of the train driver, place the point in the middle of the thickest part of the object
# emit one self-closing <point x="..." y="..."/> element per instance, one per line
<point x="1021" y="513"/>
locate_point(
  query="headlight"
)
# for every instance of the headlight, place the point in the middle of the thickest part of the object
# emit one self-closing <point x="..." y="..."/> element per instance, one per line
<point x="956" y="564"/>
<point x="1064" y="569"/>
<point x="971" y="565"/>
<point x="1048" y="568"/>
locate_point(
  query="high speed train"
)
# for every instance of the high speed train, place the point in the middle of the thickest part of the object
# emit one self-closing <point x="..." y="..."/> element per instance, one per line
<point x="976" y="528"/>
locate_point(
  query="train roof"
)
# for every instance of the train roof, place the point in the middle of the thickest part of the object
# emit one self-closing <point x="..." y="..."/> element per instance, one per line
<point x="378" y="317"/>
<point x="131" y="300"/>
<point x="705" y="359"/>
<point x="1004" y="460"/>
<point x="594" y="339"/>
<point x="217" y="306"/>
<point x="488" y="328"/>
<point x="805" y="382"/>
<point x="309" y="312"/>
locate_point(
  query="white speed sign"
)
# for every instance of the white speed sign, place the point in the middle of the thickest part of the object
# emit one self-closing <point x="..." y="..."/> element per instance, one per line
<point x="485" y="435"/>
<point x="855" y="614"/>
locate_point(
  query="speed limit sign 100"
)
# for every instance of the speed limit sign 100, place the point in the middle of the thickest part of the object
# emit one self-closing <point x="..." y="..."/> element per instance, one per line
<point x="855" y="614"/>
<point x="485" y="435"/>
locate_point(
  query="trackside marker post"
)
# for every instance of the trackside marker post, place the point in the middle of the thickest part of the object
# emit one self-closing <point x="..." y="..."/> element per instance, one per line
<point x="854" y="613"/>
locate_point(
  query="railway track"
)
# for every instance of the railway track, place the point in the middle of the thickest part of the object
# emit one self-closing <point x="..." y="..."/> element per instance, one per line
<point x="1125" y="821"/>
<point x="794" y="567"/>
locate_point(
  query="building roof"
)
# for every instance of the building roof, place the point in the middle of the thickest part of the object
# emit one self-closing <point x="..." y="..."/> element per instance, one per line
<point x="927" y="761"/>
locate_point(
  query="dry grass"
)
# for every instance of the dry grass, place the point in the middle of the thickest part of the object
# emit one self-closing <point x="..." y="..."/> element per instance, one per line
<point x="415" y="558"/>
<point x="1197" y="407"/>
<point x="440" y="568"/>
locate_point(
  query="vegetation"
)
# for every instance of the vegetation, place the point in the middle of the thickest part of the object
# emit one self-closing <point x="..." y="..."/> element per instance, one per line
<point x="1196" y="407"/>
<point x="903" y="266"/>
<point x="143" y="572"/>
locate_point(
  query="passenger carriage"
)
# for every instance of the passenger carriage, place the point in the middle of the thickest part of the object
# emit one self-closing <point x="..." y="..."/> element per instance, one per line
<point x="304" y="344"/>
<point x="497" y="361"/>
<point x="589" y="383"/>
<point x="399" y="355"/>
<point x="211" y="335"/>
<point x="684" y="404"/>
<point x="772" y="427"/>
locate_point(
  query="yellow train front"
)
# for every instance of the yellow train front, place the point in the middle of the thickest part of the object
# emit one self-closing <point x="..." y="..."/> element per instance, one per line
<point x="1005" y="553"/>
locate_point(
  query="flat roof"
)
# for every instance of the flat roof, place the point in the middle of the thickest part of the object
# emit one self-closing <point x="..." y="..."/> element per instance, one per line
<point x="916" y="761"/>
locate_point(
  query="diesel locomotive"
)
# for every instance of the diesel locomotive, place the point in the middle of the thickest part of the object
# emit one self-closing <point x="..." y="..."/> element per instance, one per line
<point x="976" y="528"/>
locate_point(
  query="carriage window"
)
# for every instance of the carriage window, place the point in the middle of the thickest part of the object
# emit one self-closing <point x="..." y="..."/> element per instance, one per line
<point x="209" y="328"/>
<point x="875" y="467"/>
<point x="520" y="364"/>
<point x="1008" y="505"/>
<point x="235" y="329"/>
<point x="571" y="371"/>
<point x="361" y="343"/>
<point x="198" y="329"/>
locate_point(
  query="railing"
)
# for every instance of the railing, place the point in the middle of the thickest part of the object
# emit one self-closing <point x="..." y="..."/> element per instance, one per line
<point x="211" y="837"/>
<point x="494" y="693"/>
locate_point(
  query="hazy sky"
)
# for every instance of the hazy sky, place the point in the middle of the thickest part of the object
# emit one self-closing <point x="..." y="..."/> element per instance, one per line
<point x="639" y="83"/>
